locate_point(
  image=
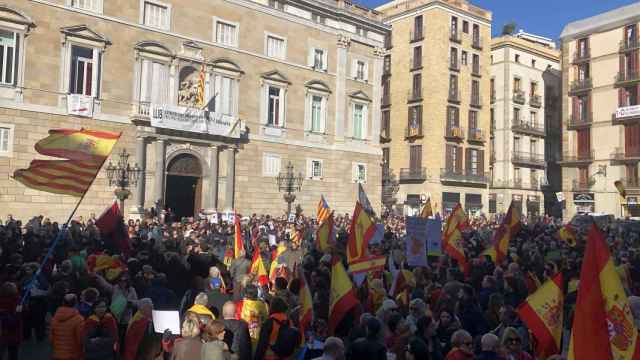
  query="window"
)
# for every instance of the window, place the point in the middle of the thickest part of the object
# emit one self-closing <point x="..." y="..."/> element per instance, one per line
<point x="415" y="158"/>
<point x="275" y="106"/>
<point x="270" y="164"/>
<point x="276" y="4"/>
<point x="517" y="58"/>
<point x="453" y="86"/>
<point x="417" y="86"/>
<point x="386" y="67"/>
<point x="360" y="173"/>
<point x="492" y="59"/>
<point x="473" y="120"/>
<point x="473" y="161"/>
<point x="317" y="113"/>
<point x="463" y="58"/>
<point x="226" y="33"/>
<point x="533" y="149"/>
<point x="318" y="19"/>
<point x="454" y="25"/>
<point x="314" y="169"/>
<point x="9" y="57"/>
<point x="583" y="72"/>
<point x="465" y="26"/>
<point x="91" y="5"/>
<point x="358" y="121"/>
<point x="415" y="121"/>
<point x="360" y="70"/>
<point x="533" y="63"/>
<point x="417" y="27"/>
<point x="276" y="47"/>
<point x="476" y="64"/>
<point x="6" y="139"/>
<point x="318" y="59"/>
<point x="516" y="174"/>
<point x="453" y="58"/>
<point x="475" y="92"/>
<point x="516" y="115"/>
<point x="224" y="90"/>
<point x="534" y="119"/>
<point x="82" y="68"/>
<point x="156" y="14"/>
<point x="417" y="57"/>
<point x="386" y="124"/>
<point x="154" y="82"/>
<point x="361" y="31"/>
<point x="533" y="88"/>
<point x="583" y="47"/>
<point x="516" y="144"/>
<point x="476" y="34"/>
<point x="386" y="156"/>
<point x="516" y="84"/>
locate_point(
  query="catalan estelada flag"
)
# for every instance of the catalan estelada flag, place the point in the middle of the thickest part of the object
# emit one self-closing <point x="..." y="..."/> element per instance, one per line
<point x="568" y="234"/>
<point x="238" y="243"/>
<point x="258" y="268"/>
<point x="84" y="150"/>
<point x="603" y="327"/>
<point x="342" y="297"/>
<point x="501" y="237"/>
<point x="542" y="312"/>
<point x="452" y="236"/>
<point x="306" y="304"/>
<point x="427" y="211"/>
<point x="323" y="210"/>
<point x="326" y="235"/>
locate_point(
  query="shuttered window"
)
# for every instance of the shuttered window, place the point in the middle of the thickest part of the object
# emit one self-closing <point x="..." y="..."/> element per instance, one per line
<point x="415" y="157"/>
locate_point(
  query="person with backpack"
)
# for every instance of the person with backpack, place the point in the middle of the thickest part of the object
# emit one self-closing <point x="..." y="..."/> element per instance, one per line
<point x="101" y="334"/>
<point x="10" y="321"/>
<point x="278" y="338"/>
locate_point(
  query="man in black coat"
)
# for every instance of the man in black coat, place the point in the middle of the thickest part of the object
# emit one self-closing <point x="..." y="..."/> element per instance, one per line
<point x="237" y="332"/>
<point x="369" y="348"/>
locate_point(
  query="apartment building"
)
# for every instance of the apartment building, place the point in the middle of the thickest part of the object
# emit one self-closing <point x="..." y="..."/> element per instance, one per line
<point x="435" y="119"/>
<point x="601" y="136"/>
<point x="525" y="99"/>
<point x="293" y="81"/>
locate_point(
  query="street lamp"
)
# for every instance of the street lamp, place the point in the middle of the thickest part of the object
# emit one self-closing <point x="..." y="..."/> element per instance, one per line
<point x="390" y="187"/>
<point x="122" y="175"/>
<point x="289" y="183"/>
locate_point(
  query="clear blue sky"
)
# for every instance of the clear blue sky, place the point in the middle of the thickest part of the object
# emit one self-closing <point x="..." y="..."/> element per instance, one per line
<point x="540" y="17"/>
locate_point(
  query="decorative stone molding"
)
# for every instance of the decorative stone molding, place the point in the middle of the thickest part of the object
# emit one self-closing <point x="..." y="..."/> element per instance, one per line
<point x="174" y="149"/>
<point x="379" y="52"/>
<point x="344" y="41"/>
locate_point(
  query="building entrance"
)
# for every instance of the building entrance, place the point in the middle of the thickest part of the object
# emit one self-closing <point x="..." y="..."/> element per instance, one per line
<point x="184" y="185"/>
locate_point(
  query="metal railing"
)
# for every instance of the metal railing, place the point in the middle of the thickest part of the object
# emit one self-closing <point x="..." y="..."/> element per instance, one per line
<point x="455" y="132"/>
<point x="455" y="36"/>
<point x="144" y="108"/>
<point x="413" y="174"/>
<point x="631" y="183"/>
<point x="585" y="156"/>
<point x="535" y="100"/>
<point x="413" y="132"/>
<point x="526" y="158"/>
<point x="414" y="94"/>
<point x="476" y="100"/>
<point x="416" y="35"/>
<point x="584" y="120"/>
<point x="581" y="85"/>
<point x="476" y="134"/>
<point x="459" y="175"/>
<point x="526" y="127"/>
<point x="476" y="43"/>
<point x="518" y="97"/>
<point x="628" y="154"/>
<point x="580" y="56"/>
<point x="454" y="96"/>
<point x="627" y="75"/>
<point x="629" y="44"/>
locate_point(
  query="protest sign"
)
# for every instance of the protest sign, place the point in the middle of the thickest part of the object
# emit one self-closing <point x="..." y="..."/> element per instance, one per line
<point x="163" y="320"/>
<point x="416" y="240"/>
<point x="434" y="237"/>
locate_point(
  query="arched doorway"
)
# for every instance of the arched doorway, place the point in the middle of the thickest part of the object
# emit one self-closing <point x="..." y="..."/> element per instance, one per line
<point x="184" y="185"/>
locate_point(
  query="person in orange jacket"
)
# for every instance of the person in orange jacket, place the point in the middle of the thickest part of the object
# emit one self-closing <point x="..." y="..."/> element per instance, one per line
<point x="67" y="331"/>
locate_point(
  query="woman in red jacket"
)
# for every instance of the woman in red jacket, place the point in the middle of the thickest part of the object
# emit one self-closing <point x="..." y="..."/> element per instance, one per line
<point x="101" y="320"/>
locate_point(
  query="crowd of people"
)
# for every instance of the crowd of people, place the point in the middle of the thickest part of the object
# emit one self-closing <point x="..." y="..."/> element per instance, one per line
<point x="94" y="297"/>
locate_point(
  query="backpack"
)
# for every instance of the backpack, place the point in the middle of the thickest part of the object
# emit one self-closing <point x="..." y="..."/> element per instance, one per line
<point x="287" y="341"/>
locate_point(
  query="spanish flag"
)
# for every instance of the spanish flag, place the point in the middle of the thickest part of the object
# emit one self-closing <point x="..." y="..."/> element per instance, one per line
<point x="81" y="145"/>
<point x="568" y="234"/>
<point x="276" y="261"/>
<point x="452" y="236"/>
<point x="258" y="268"/>
<point x="326" y="235"/>
<point x="603" y="327"/>
<point x="542" y="312"/>
<point x="360" y="233"/>
<point x="427" y="211"/>
<point x="238" y="244"/>
<point x="342" y="297"/>
<point x="323" y="210"/>
<point x="306" y="304"/>
<point x="501" y="237"/>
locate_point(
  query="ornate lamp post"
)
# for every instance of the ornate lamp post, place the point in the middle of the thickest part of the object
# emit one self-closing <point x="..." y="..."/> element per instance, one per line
<point x="122" y="175"/>
<point x="289" y="183"/>
<point x="390" y="187"/>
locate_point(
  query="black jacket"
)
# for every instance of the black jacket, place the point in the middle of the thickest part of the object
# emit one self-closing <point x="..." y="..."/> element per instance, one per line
<point x="367" y="349"/>
<point x="487" y="355"/>
<point x="237" y="338"/>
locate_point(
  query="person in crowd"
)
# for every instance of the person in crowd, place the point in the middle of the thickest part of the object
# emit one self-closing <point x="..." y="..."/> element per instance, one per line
<point x="237" y="335"/>
<point x="369" y="347"/>
<point x="200" y="310"/>
<point x="426" y="331"/>
<point x="10" y="321"/>
<point x="217" y="298"/>
<point x="67" y="331"/>
<point x="447" y="325"/>
<point x="416" y="349"/>
<point x="189" y="345"/>
<point x="253" y="311"/>
<point x="214" y="348"/>
<point x="509" y="319"/>
<point x="141" y="341"/>
<point x="101" y="333"/>
<point x="270" y="329"/>
<point x="512" y="345"/>
<point x="239" y="267"/>
<point x="333" y="349"/>
<point x="462" y="346"/>
<point x="123" y="300"/>
<point x="87" y="299"/>
<point x="489" y="345"/>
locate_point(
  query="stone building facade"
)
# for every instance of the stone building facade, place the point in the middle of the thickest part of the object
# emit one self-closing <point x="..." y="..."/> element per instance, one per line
<point x="601" y="112"/>
<point x="295" y="81"/>
<point x="525" y="93"/>
<point x="435" y="112"/>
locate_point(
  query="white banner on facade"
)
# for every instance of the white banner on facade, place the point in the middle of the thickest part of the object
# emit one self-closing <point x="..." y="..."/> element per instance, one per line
<point x="80" y="105"/>
<point x="627" y="111"/>
<point x="194" y="120"/>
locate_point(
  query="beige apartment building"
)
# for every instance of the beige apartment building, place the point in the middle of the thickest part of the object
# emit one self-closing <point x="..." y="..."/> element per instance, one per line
<point x="601" y="136"/>
<point x="285" y="81"/>
<point x="435" y="112"/>
<point x="525" y="102"/>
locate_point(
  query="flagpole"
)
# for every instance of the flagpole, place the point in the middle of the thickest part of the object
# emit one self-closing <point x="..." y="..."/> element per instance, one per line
<point x="27" y="289"/>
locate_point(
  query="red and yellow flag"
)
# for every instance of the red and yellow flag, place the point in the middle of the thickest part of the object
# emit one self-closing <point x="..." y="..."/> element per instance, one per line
<point x="326" y="235"/>
<point x="276" y="261"/>
<point x="323" y="210"/>
<point x="427" y="211"/>
<point x="501" y="238"/>
<point x="201" y="81"/>
<point x="306" y="304"/>
<point x="258" y="268"/>
<point x="452" y="235"/>
<point x="568" y="234"/>
<point x="238" y="244"/>
<point x="342" y="297"/>
<point x="542" y="312"/>
<point x="603" y="327"/>
<point x="85" y="151"/>
<point x="361" y="231"/>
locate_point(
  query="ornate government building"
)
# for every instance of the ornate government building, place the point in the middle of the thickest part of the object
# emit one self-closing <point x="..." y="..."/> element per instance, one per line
<point x="284" y="81"/>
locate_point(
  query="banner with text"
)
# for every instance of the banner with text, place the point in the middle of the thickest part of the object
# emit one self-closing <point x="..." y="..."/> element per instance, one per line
<point x="416" y="241"/>
<point x="194" y="120"/>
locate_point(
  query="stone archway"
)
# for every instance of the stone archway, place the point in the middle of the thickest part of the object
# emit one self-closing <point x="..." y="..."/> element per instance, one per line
<point x="183" y="192"/>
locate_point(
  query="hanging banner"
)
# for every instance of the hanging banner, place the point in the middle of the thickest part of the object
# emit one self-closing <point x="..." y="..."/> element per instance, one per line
<point x="193" y="120"/>
<point x="416" y="241"/>
<point x="434" y="237"/>
<point x="80" y="105"/>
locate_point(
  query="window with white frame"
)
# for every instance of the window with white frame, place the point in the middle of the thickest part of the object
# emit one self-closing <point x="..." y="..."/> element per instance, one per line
<point x="317" y="113"/>
<point x="154" y="82"/>
<point x="318" y="59"/>
<point x="224" y="90"/>
<point x="275" y="106"/>
<point x="314" y="169"/>
<point x="360" y="70"/>
<point x="226" y="33"/>
<point x="91" y="5"/>
<point x="9" y="54"/>
<point x="360" y="173"/>
<point x="156" y="14"/>
<point x="83" y="71"/>
<point x="270" y="164"/>
<point x="359" y="120"/>
<point x="6" y="139"/>
<point x="276" y="47"/>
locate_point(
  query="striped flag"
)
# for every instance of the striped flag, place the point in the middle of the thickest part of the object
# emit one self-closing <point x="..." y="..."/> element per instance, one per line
<point x="342" y="297"/>
<point x="452" y="243"/>
<point x="323" y="210"/>
<point x="306" y="304"/>
<point x="568" y="234"/>
<point x="361" y="232"/>
<point x="501" y="237"/>
<point x="258" y="268"/>
<point x="238" y="244"/>
<point x="201" y="80"/>
<point x="84" y="145"/>
<point x="276" y="261"/>
<point x="326" y="235"/>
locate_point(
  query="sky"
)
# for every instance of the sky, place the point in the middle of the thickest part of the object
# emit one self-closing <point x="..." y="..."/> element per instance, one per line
<point x="541" y="17"/>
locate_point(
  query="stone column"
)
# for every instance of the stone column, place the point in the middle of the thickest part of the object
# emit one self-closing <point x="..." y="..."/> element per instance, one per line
<point x="213" y="182"/>
<point x="160" y="170"/>
<point x="231" y="177"/>
<point x="378" y="56"/>
<point x="141" y="159"/>
<point x="341" y="119"/>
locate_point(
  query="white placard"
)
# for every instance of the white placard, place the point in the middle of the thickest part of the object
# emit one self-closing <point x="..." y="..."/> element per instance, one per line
<point x="193" y="120"/>
<point x="80" y="105"/>
<point x="560" y="196"/>
<point x="272" y="240"/>
<point x="231" y="217"/>
<point x="163" y="320"/>
<point x="627" y="111"/>
<point x="292" y="217"/>
<point x="213" y="218"/>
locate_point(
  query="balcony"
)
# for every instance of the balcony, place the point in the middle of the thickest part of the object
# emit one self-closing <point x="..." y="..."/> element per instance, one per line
<point x="454" y="133"/>
<point x="455" y="36"/>
<point x="493" y="97"/>
<point x="629" y="44"/>
<point x="626" y="115"/>
<point x="476" y="101"/>
<point x="627" y="77"/>
<point x="631" y="184"/>
<point x="518" y="97"/>
<point x="454" y="65"/>
<point x="143" y="109"/>
<point x="516" y="183"/>
<point x="387" y="42"/>
<point x="413" y="174"/>
<point x="385" y="135"/>
<point x="412" y="133"/>
<point x="580" y="85"/>
<point x="386" y="100"/>
<point x="416" y="35"/>
<point x="454" y="96"/>
<point x="576" y="122"/>
<point x="581" y="56"/>
<point x="476" y="135"/>
<point x="582" y="185"/>
<point x="415" y="64"/>
<point x="492" y="157"/>
<point x="476" y="43"/>
<point x="534" y="184"/>
<point x="460" y="176"/>
<point x="475" y="70"/>
<point x="414" y="95"/>
<point x="528" y="159"/>
<point x="535" y="101"/>
<point x="622" y="156"/>
<point x="577" y="159"/>
<point x="527" y="128"/>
